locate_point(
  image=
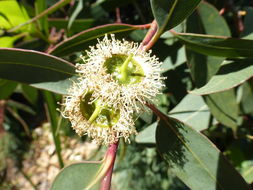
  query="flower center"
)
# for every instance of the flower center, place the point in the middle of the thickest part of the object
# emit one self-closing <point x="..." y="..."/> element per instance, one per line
<point x="124" y="69"/>
<point x="102" y="116"/>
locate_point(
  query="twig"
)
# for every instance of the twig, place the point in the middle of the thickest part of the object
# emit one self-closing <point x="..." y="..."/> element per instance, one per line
<point x="147" y="42"/>
<point x="106" y="181"/>
<point x="118" y="19"/>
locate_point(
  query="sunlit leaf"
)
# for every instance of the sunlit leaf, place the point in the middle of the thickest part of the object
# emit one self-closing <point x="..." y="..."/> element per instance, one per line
<point x="83" y="40"/>
<point x="193" y="158"/>
<point x="76" y="177"/>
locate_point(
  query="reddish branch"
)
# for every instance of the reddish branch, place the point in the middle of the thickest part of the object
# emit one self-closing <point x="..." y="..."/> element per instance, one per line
<point x="106" y="181"/>
<point x="118" y="18"/>
<point x="147" y="43"/>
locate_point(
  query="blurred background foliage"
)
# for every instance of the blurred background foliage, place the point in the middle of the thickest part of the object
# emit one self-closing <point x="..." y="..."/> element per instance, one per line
<point x="226" y="118"/>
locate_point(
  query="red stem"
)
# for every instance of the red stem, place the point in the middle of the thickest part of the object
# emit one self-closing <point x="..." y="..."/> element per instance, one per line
<point x="106" y="181"/>
<point x="147" y="42"/>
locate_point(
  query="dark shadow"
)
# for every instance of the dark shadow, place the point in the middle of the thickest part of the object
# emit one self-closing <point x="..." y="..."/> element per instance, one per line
<point x="235" y="66"/>
<point x="170" y="139"/>
<point x="227" y="177"/>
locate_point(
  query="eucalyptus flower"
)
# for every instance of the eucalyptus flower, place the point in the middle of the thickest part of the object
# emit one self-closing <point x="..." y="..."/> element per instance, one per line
<point x="127" y="75"/>
<point x="88" y="115"/>
<point x="115" y="81"/>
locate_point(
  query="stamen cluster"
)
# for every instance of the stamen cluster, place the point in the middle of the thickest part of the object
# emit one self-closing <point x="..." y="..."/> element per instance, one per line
<point x="115" y="81"/>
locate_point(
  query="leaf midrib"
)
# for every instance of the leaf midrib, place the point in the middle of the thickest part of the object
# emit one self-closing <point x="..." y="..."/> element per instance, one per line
<point x="36" y="66"/>
<point x="84" y="41"/>
<point x="194" y="155"/>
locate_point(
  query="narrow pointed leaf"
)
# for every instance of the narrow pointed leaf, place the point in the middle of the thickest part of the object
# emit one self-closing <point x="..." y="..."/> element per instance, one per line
<point x="83" y="40"/>
<point x="194" y="159"/>
<point x="37" y="69"/>
<point x="217" y="45"/>
<point x="230" y="75"/>
<point x="168" y="13"/>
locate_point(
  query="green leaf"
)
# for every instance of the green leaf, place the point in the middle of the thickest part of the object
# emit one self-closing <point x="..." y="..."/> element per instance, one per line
<point x="224" y="107"/>
<point x="30" y="93"/>
<point x="193" y="111"/>
<point x="76" y="177"/>
<point x="147" y="135"/>
<point x="17" y="105"/>
<point x="75" y="13"/>
<point x="247" y="170"/>
<point x="37" y="69"/>
<point x="194" y="159"/>
<point x="8" y="41"/>
<point x="83" y="40"/>
<point x="230" y="75"/>
<point x="220" y="46"/>
<point x="40" y="6"/>
<point x="205" y="20"/>
<point x="78" y="25"/>
<point x="247" y="97"/>
<point x="12" y="14"/>
<point x="53" y="116"/>
<point x="170" y="13"/>
<point x="6" y="88"/>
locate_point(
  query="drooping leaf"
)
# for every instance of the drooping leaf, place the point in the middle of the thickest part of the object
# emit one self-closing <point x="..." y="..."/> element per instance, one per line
<point x="75" y="13"/>
<point x="220" y="46"/>
<point x="205" y="20"/>
<point x="76" y="177"/>
<point x="193" y="158"/>
<point x="247" y="97"/>
<point x="83" y="40"/>
<point x="193" y="111"/>
<point x="37" y="69"/>
<point x="170" y="13"/>
<point x="30" y="93"/>
<point x="6" y="88"/>
<point x="230" y="75"/>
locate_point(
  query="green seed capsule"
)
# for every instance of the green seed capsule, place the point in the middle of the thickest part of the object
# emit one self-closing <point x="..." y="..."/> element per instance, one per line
<point x="124" y="69"/>
<point x="101" y="116"/>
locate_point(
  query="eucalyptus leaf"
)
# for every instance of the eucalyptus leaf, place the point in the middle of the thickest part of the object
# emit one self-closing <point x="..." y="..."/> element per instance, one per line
<point x="37" y="69"/>
<point x="83" y="40"/>
<point x="224" y="107"/>
<point x="194" y="159"/>
<point x="170" y="13"/>
<point x="193" y="111"/>
<point x="205" y="20"/>
<point x="76" y="177"/>
<point x="6" y="88"/>
<point x="231" y="74"/>
<point x="220" y="46"/>
<point x="147" y="135"/>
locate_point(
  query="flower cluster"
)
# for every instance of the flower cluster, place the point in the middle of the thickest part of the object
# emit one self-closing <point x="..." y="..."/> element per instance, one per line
<point x="115" y="81"/>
